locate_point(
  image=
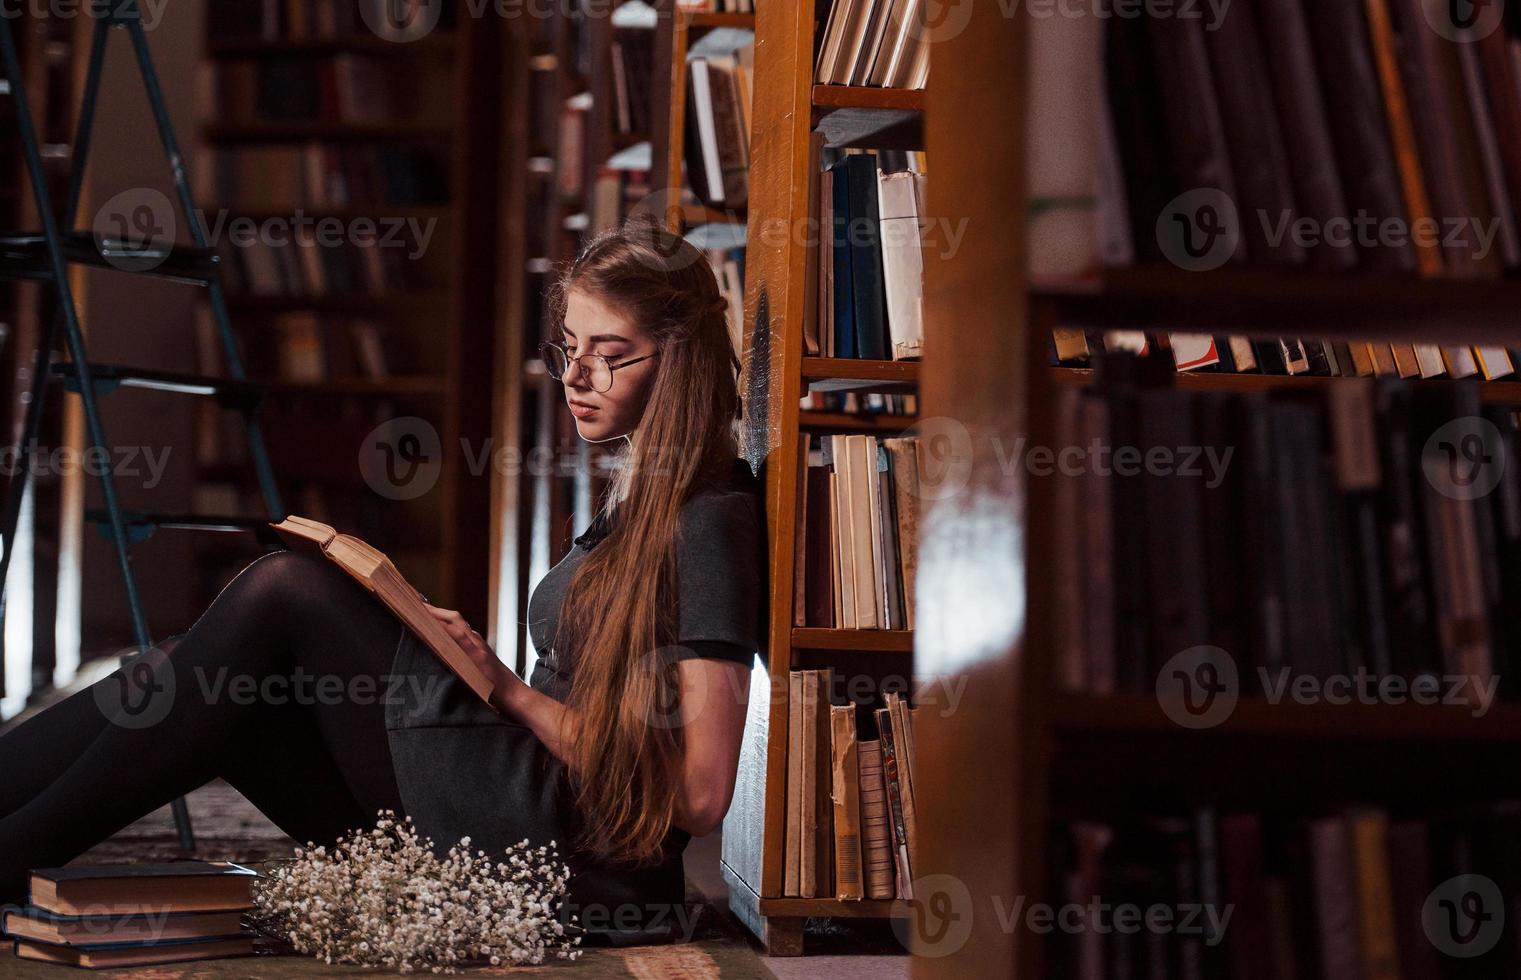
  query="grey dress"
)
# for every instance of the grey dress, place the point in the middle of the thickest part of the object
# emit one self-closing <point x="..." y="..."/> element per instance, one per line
<point x="465" y="771"/>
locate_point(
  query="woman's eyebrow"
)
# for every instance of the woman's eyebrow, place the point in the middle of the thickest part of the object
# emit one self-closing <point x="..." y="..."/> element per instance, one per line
<point x="610" y="338"/>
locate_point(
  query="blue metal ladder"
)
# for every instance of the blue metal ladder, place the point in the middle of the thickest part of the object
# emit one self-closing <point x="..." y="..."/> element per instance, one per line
<point x="46" y="255"/>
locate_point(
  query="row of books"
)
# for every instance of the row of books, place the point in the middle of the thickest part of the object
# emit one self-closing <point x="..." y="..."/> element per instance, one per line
<point x="1289" y="355"/>
<point x="293" y="20"/>
<point x="857" y="548"/>
<point x="724" y="245"/>
<point x="865" y="280"/>
<point x="304" y="267"/>
<point x="862" y="403"/>
<point x="1383" y="135"/>
<point x="632" y="52"/>
<point x="304" y="346"/>
<point x="874" y="42"/>
<point x="117" y="916"/>
<point x="720" y="80"/>
<point x="1353" y="893"/>
<point x="851" y="827"/>
<point x="320" y="175"/>
<point x="622" y="183"/>
<point x="342" y="88"/>
<point x="717" y="6"/>
<point x="1373" y="527"/>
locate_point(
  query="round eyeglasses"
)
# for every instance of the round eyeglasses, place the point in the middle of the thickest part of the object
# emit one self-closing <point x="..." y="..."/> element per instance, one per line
<point x="594" y="367"/>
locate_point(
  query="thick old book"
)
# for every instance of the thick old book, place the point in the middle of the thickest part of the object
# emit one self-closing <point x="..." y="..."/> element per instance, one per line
<point x="180" y="886"/>
<point x="134" y="954"/>
<point x="1369" y="833"/>
<point x="375" y="571"/>
<point x="1259" y="160"/>
<point x="1359" y="126"/>
<point x="876" y="832"/>
<point x="903" y="742"/>
<point x="792" y="877"/>
<point x="1296" y="80"/>
<point x="1335" y="898"/>
<point x="40" y="925"/>
<point x="900" y="199"/>
<point x="822" y="681"/>
<point x="903" y="466"/>
<point x="845" y="795"/>
<point x="892" y="783"/>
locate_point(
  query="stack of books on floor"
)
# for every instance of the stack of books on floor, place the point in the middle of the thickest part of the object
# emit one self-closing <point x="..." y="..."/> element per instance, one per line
<point x="865" y="285"/>
<point x="851" y="828"/>
<point x="111" y="916"/>
<point x="858" y="530"/>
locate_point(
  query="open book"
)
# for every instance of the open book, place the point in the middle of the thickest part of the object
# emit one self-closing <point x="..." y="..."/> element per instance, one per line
<point x="375" y="572"/>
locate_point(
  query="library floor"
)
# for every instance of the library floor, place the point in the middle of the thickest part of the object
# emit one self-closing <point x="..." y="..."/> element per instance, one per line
<point x="228" y="827"/>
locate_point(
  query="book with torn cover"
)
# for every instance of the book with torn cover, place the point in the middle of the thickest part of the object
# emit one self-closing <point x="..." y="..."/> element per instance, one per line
<point x="376" y="572"/>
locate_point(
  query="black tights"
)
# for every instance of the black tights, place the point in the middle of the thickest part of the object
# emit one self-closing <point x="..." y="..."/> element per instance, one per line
<point x="261" y="691"/>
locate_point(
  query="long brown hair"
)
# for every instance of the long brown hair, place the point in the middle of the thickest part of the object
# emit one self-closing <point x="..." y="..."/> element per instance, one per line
<point x="618" y="615"/>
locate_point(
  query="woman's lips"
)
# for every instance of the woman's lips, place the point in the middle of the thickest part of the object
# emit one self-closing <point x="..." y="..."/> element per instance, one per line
<point x="581" y="411"/>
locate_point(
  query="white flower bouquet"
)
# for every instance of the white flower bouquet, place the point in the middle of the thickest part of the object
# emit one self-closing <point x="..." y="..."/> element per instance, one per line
<point x="382" y="898"/>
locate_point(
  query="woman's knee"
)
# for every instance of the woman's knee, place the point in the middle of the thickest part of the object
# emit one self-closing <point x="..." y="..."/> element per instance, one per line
<point x="282" y="582"/>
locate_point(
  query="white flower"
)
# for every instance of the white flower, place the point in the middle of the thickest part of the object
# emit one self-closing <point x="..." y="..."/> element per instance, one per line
<point x="382" y="898"/>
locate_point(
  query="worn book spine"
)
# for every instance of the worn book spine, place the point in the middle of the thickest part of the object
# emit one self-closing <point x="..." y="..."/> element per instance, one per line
<point x="845" y="796"/>
<point x="876" y="837"/>
<point x="792" y="873"/>
<point x="1375" y="899"/>
<point x="808" y="884"/>
<point x="893" y="786"/>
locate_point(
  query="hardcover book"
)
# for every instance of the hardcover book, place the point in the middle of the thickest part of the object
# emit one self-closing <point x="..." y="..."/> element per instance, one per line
<point x="375" y="571"/>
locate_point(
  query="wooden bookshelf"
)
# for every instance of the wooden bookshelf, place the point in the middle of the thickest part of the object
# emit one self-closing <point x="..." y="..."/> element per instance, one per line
<point x="676" y="31"/>
<point x="1116" y="756"/>
<point x="784" y="115"/>
<point x="441" y="334"/>
<point x="567" y="53"/>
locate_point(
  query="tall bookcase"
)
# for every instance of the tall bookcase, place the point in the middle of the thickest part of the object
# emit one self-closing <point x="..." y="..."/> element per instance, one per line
<point x="787" y="109"/>
<point x="438" y="321"/>
<point x="678" y="29"/>
<point x="569" y="130"/>
<point x="1018" y="754"/>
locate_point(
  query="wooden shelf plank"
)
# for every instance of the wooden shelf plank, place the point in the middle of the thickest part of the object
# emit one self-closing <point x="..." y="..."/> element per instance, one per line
<point x="855" y="422"/>
<point x="1127" y="715"/>
<point x="1269" y="302"/>
<point x="886" y="641"/>
<point x="1492" y="391"/>
<point x="834" y="907"/>
<point x="709" y="18"/>
<point x="698" y="214"/>
<point x="866" y="97"/>
<point x="844" y="373"/>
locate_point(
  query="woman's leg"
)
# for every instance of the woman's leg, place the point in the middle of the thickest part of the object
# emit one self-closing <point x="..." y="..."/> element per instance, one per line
<point x="278" y="686"/>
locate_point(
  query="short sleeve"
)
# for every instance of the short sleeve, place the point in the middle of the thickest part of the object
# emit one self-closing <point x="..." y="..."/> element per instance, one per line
<point x="720" y="587"/>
